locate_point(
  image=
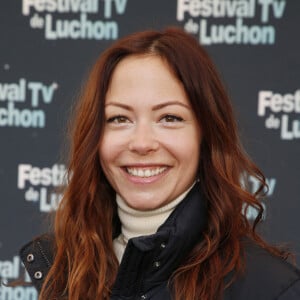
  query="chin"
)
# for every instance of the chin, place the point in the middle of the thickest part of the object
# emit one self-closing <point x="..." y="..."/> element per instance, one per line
<point x="143" y="206"/>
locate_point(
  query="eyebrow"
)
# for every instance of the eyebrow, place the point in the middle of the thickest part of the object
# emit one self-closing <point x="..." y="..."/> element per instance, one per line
<point x="155" y="107"/>
<point x="118" y="104"/>
<point x="168" y="103"/>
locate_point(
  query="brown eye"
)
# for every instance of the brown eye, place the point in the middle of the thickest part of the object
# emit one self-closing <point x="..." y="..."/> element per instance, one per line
<point x="171" y="118"/>
<point x="118" y="119"/>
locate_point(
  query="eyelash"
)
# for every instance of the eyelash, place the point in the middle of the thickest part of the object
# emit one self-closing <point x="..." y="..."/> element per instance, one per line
<point x="172" y="118"/>
<point x="168" y="118"/>
<point x="117" y="119"/>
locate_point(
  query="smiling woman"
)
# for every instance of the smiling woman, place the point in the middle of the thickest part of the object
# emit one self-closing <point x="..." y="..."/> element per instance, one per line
<point x="153" y="205"/>
<point x="150" y="147"/>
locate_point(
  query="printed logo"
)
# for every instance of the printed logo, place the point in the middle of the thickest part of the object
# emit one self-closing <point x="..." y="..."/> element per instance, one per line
<point x="14" y="270"/>
<point x="39" y="184"/>
<point x="32" y="94"/>
<point x="281" y="112"/>
<point x="75" y="19"/>
<point x="253" y="184"/>
<point x="231" y="21"/>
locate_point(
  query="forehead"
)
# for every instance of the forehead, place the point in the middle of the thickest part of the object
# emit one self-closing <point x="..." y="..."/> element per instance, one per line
<point x="149" y="65"/>
<point x="144" y="76"/>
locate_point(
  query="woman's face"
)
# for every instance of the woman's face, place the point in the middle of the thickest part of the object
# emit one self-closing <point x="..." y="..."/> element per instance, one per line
<point x="150" y="148"/>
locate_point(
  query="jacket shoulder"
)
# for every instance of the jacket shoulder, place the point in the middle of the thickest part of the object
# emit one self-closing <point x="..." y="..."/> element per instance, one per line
<point x="37" y="257"/>
<point x="266" y="277"/>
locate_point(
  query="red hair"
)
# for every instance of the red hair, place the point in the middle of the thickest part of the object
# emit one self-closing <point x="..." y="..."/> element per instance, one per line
<point x="85" y="265"/>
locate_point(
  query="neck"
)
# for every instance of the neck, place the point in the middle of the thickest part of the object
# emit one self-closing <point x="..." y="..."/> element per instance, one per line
<point x="136" y="223"/>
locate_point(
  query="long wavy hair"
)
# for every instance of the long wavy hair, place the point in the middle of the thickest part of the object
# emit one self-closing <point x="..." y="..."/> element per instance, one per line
<point x="85" y="265"/>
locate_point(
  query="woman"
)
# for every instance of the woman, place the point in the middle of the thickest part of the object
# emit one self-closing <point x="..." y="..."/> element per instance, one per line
<point x="153" y="207"/>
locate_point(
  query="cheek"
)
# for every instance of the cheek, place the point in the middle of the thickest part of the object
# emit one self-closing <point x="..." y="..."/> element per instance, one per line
<point x="106" y="162"/>
<point x="189" y="154"/>
<point x="105" y="155"/>
<point x="188" y="150"/>
<point x="110" y="150"/>
<point x="184" y="144"/>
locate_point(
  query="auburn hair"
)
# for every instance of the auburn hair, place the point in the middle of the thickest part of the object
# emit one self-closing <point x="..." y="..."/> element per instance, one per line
<point x="85" y="265"/>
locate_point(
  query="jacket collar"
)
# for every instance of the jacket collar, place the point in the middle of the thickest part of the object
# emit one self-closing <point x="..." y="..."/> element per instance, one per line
<point x="151" y="260"/>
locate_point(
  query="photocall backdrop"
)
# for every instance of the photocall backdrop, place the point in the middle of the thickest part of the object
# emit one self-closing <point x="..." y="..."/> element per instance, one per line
<point x="47" y="47"/>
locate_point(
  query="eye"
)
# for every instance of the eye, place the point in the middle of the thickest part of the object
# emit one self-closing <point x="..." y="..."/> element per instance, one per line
<point x="171" y="118"/>
<point x="118" y="119"/>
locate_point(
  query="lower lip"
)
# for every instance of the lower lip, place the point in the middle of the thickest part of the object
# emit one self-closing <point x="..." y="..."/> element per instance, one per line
<point x="145" y="180"/>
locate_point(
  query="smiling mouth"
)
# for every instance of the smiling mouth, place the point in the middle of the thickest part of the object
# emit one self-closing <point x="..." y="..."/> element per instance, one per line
<point x="145" y="172"/>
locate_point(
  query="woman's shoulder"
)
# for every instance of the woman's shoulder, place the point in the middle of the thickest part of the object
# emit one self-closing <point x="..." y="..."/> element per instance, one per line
<point x="37" y="257"/>
<point x="266" y="276"/>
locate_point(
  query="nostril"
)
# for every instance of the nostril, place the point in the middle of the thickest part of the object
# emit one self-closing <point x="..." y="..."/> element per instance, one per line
<point x="143" y="145"/>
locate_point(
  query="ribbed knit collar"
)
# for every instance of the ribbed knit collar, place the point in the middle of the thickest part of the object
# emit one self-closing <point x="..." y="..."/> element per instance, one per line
<point x="136" y="223"/>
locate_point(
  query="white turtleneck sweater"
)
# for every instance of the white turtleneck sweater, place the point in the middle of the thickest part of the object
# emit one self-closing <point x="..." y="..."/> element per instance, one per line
<point x="136" y="223"/>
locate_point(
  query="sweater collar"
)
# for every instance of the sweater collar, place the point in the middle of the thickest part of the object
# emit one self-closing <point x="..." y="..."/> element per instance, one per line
<point x="184" y="227"/>
<point x="135" y="223"/>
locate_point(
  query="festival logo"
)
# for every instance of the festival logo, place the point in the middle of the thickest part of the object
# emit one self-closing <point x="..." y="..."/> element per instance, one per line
<point x="20" y="103"/>
<point x="75" y="19"/>
<point x="231" y="21"/>
<point x="253" y="185"/>
<point x="40" y="185"/>
<point x="11" y="270"/>
<point x="281" y="112"/>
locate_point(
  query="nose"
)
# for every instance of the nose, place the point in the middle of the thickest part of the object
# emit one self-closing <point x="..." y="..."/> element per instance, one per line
<point x="143" y="140"/>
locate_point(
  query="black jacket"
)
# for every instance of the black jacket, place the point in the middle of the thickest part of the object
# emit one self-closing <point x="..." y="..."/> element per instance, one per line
<point x="149" y="261"/>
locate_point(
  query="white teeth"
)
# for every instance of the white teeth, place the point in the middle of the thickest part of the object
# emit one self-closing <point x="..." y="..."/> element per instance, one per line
<point x="145" y="172"/>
